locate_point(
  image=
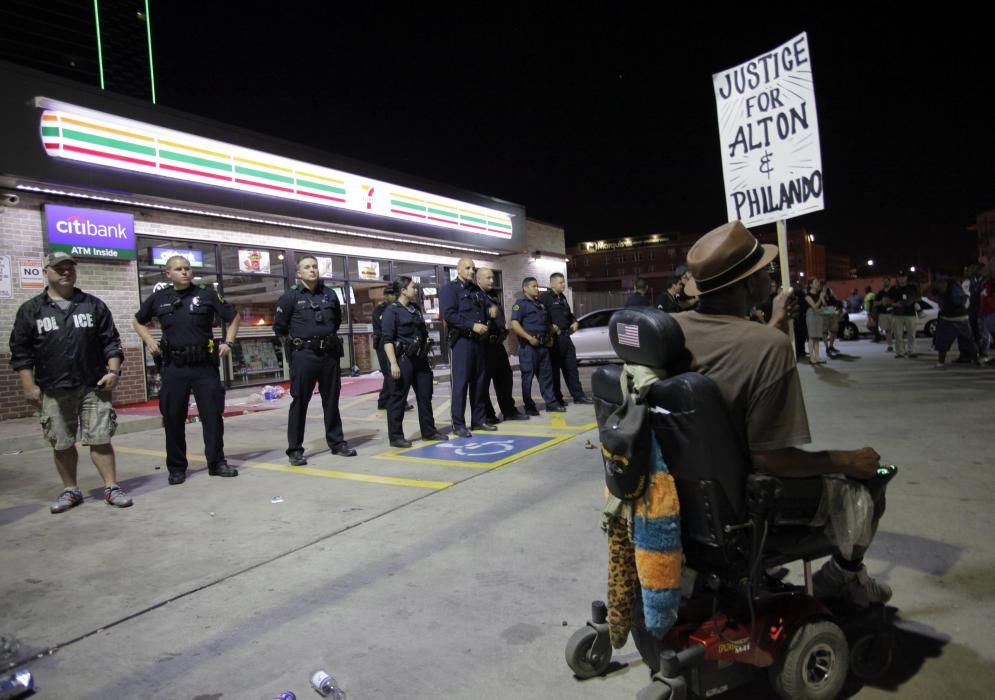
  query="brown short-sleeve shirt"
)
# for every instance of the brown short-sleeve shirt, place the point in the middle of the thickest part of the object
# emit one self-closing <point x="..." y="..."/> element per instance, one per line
<point x="755" y="370"/>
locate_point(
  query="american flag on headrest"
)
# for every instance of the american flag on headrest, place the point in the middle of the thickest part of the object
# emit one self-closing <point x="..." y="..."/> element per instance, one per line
<point x="628" y="334"/>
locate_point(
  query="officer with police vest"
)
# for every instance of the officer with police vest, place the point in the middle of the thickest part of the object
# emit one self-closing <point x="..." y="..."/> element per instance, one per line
<point x="308" y="316"/>
<point x="496" y="363"/>
<point x="530" y="321"/>
<point x="465" y="311"/>
<point x="563" y="354"/>
<point x="189" y="356"/>
<point x="407" y="346"/>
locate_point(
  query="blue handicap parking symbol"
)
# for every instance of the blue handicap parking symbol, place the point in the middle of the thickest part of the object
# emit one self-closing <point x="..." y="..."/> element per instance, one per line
<point x="482" y="450"/>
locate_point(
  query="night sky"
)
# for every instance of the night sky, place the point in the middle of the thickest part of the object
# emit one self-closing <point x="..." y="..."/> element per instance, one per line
<point x="604" y="122"/>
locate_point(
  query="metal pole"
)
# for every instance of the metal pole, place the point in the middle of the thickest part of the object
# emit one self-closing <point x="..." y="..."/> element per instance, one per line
<point x="782" y="253"/>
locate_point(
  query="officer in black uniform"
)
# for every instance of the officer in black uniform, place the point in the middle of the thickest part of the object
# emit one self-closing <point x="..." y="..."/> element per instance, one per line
<point x="190" y="357"/>
<point x="407" y="346"/>
<point x="530" y="321"/>
<point x="496" y="363"/>
<point x="638" y="296"/>
<point x="563" y="354"/>
<point x="308" y="317"/>
<point x="465" y="311"/>
<point x="389" y="297"/>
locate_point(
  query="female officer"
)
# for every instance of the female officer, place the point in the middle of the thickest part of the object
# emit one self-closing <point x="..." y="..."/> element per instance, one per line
<point x="405" y="340"/>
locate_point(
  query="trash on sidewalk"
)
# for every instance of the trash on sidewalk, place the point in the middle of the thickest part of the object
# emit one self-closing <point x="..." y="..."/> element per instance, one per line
<point x="276" y="499"/>
<point x="327" y="686"/>
<point x="589" y="445"/>
<point x="286" y="695"/>
<point x="16" y="684"/>
<point x="272" y="393"/>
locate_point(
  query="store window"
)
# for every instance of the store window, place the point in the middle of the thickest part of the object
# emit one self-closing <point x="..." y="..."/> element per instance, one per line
<point x="253" y="279"/>
<point x="368" y="279"/>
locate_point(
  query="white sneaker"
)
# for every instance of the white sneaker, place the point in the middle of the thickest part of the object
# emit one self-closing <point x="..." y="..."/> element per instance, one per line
<point x="832" y="581"/>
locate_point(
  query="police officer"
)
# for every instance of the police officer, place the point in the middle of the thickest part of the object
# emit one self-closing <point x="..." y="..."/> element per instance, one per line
<point x="563" y="354"/>
<point x="389" y="297"/>
<point x="308" y="317"/>
<point x="496" y="363"/>
<point x="530" y="321"/>
<point x="67" y="353"/>
<point x="465" y="311"/>
<point x="638" y="296"/>
<point x="190" y="357"/>
<point x="407" y="346"/>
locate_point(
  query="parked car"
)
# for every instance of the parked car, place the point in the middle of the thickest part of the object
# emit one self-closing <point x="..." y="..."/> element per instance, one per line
<point x="591" y="338"/>
<point x="854" y="325"/>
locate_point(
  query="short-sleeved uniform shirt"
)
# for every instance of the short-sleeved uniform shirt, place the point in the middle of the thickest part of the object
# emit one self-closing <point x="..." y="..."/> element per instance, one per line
<point x="531" y="315"/>
<point x="754" y="367"/>
<point x="187" y="316"/>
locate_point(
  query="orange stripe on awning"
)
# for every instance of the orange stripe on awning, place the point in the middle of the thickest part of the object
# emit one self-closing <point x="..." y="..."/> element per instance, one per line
<point x="49" y="118"/>
<point x="263" y="165"/>
<point x="119" y="132"/>
<point x="320" y="177"/>
<point x="193" y="148"/>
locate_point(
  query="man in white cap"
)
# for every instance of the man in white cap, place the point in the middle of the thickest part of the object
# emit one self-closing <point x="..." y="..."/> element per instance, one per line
<point x="67" y="353"/>
<point x="754" y="367"/>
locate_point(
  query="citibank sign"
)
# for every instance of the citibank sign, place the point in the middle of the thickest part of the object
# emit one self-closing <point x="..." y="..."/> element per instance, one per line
<point x="90" y="233"/>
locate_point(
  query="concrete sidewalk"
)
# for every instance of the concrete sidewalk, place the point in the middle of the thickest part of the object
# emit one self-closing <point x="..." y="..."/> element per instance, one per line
<point x="435" y="580"/>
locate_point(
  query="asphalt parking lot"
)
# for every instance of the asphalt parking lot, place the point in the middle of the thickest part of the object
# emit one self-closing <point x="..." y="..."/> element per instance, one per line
<point x="453" y="571"/>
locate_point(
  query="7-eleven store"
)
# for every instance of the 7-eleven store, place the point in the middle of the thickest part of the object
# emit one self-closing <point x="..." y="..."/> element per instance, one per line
<point x="243" y="208"/>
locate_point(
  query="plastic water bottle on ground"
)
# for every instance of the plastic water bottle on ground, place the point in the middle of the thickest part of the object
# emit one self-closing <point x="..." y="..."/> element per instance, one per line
<point x="327" y="686"/>
<point x="20" y="682"/>
<point x="286" y="695"/>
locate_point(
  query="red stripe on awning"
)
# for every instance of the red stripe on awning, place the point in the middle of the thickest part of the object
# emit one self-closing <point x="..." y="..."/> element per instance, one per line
<point x="322" y="196"/>
<point x="407" y="213"/>
<point x="101" y="154"/>
<point x="263" y="184"/>
<point x="199" y="173"/>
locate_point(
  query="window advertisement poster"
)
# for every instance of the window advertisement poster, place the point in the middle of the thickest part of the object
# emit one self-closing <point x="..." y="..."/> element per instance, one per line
<point x="6" y="278"/>
<point x="254" y="261"/>
<point x="32" y="273"/>
<point x="369" y="269"/>
<point x="325" y="267"/>
<point x="161" y="255"/>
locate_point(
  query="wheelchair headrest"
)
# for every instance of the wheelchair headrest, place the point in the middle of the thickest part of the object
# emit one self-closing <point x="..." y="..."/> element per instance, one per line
<point x="646" y="336"/>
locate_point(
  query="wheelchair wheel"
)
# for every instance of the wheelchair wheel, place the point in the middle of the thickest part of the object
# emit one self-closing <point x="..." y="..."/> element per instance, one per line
<point x="871" y="655"/>
<point x="814" y="665"/>
<point x="588" y="652"/>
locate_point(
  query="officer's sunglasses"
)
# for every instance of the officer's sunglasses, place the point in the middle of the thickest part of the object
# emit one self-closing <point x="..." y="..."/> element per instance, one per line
<point x="319" y="316"/>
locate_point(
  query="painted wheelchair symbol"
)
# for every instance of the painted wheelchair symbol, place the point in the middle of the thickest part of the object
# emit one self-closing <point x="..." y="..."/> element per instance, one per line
<point x="486" y="448"/>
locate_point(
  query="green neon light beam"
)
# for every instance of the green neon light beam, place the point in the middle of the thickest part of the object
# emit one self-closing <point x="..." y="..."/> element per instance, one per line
<point x="148" y="30"/>
<point x="100" y="50"/>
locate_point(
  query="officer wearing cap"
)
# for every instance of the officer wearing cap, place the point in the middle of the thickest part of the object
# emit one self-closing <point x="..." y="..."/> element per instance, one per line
<point x="190" y="357"/>
<point x="407" y="346"/>
<point x="530" y="322"/>
<point x="67" y="354"/>
<point x="465" y="311"/>
<point x="496" y="363"/>
<point x="563" y="354"/>
<point x="389" y="296"/>
<point x="308" y="317"/>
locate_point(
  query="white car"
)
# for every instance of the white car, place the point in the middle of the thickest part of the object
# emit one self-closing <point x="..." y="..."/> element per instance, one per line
<point x="856" y="323"/>
<point x="591" y="338"/>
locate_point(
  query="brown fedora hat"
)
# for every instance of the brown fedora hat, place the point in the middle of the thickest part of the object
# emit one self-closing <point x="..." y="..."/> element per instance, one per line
<point x="724" y="256"/>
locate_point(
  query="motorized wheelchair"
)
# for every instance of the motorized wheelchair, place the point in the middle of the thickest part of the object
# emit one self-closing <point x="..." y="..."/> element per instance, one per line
<point x="736" y="616"/>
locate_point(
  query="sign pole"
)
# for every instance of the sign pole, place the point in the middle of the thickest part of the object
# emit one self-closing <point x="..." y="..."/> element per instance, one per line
<point x="782" y="252"/>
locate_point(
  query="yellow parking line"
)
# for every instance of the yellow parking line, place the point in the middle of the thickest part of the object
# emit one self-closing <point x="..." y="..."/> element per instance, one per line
<point x="327" y="473"/>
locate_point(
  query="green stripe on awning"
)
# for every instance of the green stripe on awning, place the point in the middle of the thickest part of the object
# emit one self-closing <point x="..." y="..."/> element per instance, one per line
<point x="259" y="173"/>
<point x="442" y="212"/>
<point x="319" y="186"/>
<point x="193" y="160"/>
<point x="110" y="143"/>
<point x="50" y="131"/>
<point x="472" y="218"/>
<point x="499" y="224"/>
<point x="406" y="205"/>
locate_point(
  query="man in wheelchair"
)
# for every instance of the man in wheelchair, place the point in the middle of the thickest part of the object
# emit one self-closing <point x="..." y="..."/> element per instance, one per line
<point x="754" y="367"/>
<point x="728" y="498"/>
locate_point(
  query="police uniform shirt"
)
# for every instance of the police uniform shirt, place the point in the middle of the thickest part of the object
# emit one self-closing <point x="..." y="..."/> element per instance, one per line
<point x="66" y="348"/>
<point x="378" y="313"/>
<point x="301" y="313"/>
<point x="497" y="325"/>
<point x="403" y="325"/>
<point x="531" y="315"/>
<point x="187" y="316"/>
<point x="559" y="309"/>
<point x="463" y="304"/>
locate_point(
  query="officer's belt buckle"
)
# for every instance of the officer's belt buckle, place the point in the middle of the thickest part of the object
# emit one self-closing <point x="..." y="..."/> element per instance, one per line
<point x="298" y="343"/>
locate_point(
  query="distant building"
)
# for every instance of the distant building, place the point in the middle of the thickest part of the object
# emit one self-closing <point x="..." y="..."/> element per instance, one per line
<point x="984" y="229"/>
<point x="614" y="264"/>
